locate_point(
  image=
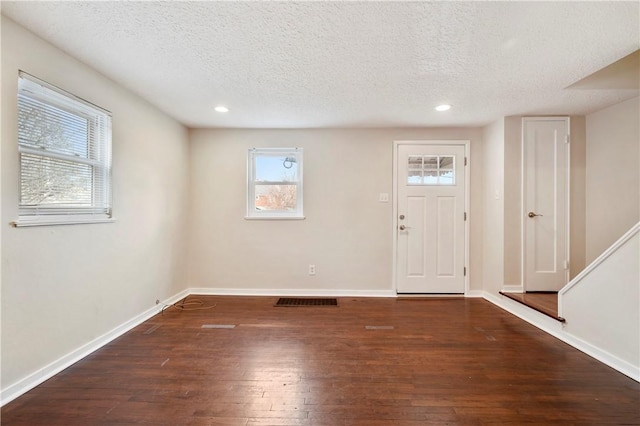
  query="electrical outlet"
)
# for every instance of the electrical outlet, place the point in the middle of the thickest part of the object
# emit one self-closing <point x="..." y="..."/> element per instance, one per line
<point x="312" y="269"/>
<point x="383" y="197"/>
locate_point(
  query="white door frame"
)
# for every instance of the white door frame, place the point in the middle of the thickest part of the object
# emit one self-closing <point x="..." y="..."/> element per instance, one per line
<point x="467" y="203"/>
<point x="523" y="200"/>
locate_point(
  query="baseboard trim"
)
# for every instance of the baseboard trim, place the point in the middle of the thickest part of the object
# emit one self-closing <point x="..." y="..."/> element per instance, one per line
<point x="534" y="318"/>
<point x="29" y="382"/>
<point x="556" y="329"/>
<point x="513" y="289"/>
<point x="205" y="291"/>
<point x="24" y="385"/>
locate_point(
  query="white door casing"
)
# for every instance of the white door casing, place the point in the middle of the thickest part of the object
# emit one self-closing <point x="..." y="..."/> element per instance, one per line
<point x="545" y="239"/>
<point x="430" y="231"/>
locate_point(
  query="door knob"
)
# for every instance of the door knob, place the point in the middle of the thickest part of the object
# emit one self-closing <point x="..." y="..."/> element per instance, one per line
<point x="532" y="214"/>
<point x="402" y="227"/>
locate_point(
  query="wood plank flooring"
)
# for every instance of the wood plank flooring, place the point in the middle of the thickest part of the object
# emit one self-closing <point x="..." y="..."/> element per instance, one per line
<point x="425" y="362"/>
<point x="546" y="303"/>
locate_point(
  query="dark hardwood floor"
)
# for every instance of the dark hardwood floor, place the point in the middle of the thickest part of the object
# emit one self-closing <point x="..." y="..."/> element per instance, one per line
<point x="546" y="303"/>
<point x="424" y="362"/>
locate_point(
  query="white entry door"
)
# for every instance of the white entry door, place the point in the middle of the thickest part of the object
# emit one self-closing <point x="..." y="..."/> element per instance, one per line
<point x="546" y="192"/>
<point x="430" y="226"/>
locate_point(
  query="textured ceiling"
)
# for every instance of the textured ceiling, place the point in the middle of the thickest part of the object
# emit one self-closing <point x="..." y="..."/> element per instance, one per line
<point x="346" y="64"/>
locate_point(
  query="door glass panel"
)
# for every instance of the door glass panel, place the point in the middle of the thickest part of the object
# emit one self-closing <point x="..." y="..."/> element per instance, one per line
<point x="446" y="177"/>
<point x="430" y="177"/>
<point x="431" y="170"/>
<point x="446" y="162"/>
<point x="431" y="162"/>
<point x="415" y="162"/>
<point x="415" y="177"/>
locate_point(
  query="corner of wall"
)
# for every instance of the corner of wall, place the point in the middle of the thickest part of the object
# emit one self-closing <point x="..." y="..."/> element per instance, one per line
<point x="493" y="206"/>
<point x="612" y="136"/>
<point x="577" y="201"/>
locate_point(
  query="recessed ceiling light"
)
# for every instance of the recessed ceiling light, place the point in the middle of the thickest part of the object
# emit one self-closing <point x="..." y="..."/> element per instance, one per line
<point x="221" y="108"/>
<point x="444" y="107"/>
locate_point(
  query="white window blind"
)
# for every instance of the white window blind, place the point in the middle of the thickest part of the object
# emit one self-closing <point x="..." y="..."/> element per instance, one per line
<point x="65" y="153"/>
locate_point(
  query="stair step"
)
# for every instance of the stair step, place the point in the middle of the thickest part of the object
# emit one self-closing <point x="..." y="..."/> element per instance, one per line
<point x="545" y="303"/>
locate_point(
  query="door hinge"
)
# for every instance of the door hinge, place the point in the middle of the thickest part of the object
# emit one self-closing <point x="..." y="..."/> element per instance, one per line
<point x="465" y="216"/>
<point x="566" y="265"/>
<point x="465" y="161"/>
<point x="567" y="138"/>
<point x="465" y="271"/>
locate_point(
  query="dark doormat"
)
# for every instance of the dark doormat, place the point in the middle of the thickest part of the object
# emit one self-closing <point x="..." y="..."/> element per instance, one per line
<point x="297" y="301"/>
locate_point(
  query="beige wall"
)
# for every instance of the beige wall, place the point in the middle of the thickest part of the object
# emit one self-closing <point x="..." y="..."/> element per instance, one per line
<point x="612" y="175"/>
<point x="513" y="198"/>
<point x="610" y="290"/>
<point x="63" y="286"/>
<point x="513" y="201"/>
<point x="347" y="232"/>
<point x="493" y="207"/>
<point x="578" y="196"/>
<point x="179" y="201"/>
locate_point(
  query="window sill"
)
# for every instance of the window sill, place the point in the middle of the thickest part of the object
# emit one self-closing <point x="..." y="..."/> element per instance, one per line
<point x="60" y="220"/>
<point x="275" y="218"/>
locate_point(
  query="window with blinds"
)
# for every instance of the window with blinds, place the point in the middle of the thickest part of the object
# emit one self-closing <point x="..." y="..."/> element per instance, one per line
<point x="65" y="155"/>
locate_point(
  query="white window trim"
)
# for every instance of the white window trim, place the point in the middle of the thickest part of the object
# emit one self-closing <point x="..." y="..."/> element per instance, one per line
<point x="252" y="213"/>
<point x="61" y="220"/>
<point x="67" y="216"/>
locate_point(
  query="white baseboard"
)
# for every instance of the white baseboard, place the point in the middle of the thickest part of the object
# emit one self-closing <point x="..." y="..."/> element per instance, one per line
<point x="556" y="329"/>
<point x="207" y="291"/>
<point x="22" y="386"/>
<point x="533" y="317"/>
<point x="204" y="291"/>
<point x="513" y="288"/>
